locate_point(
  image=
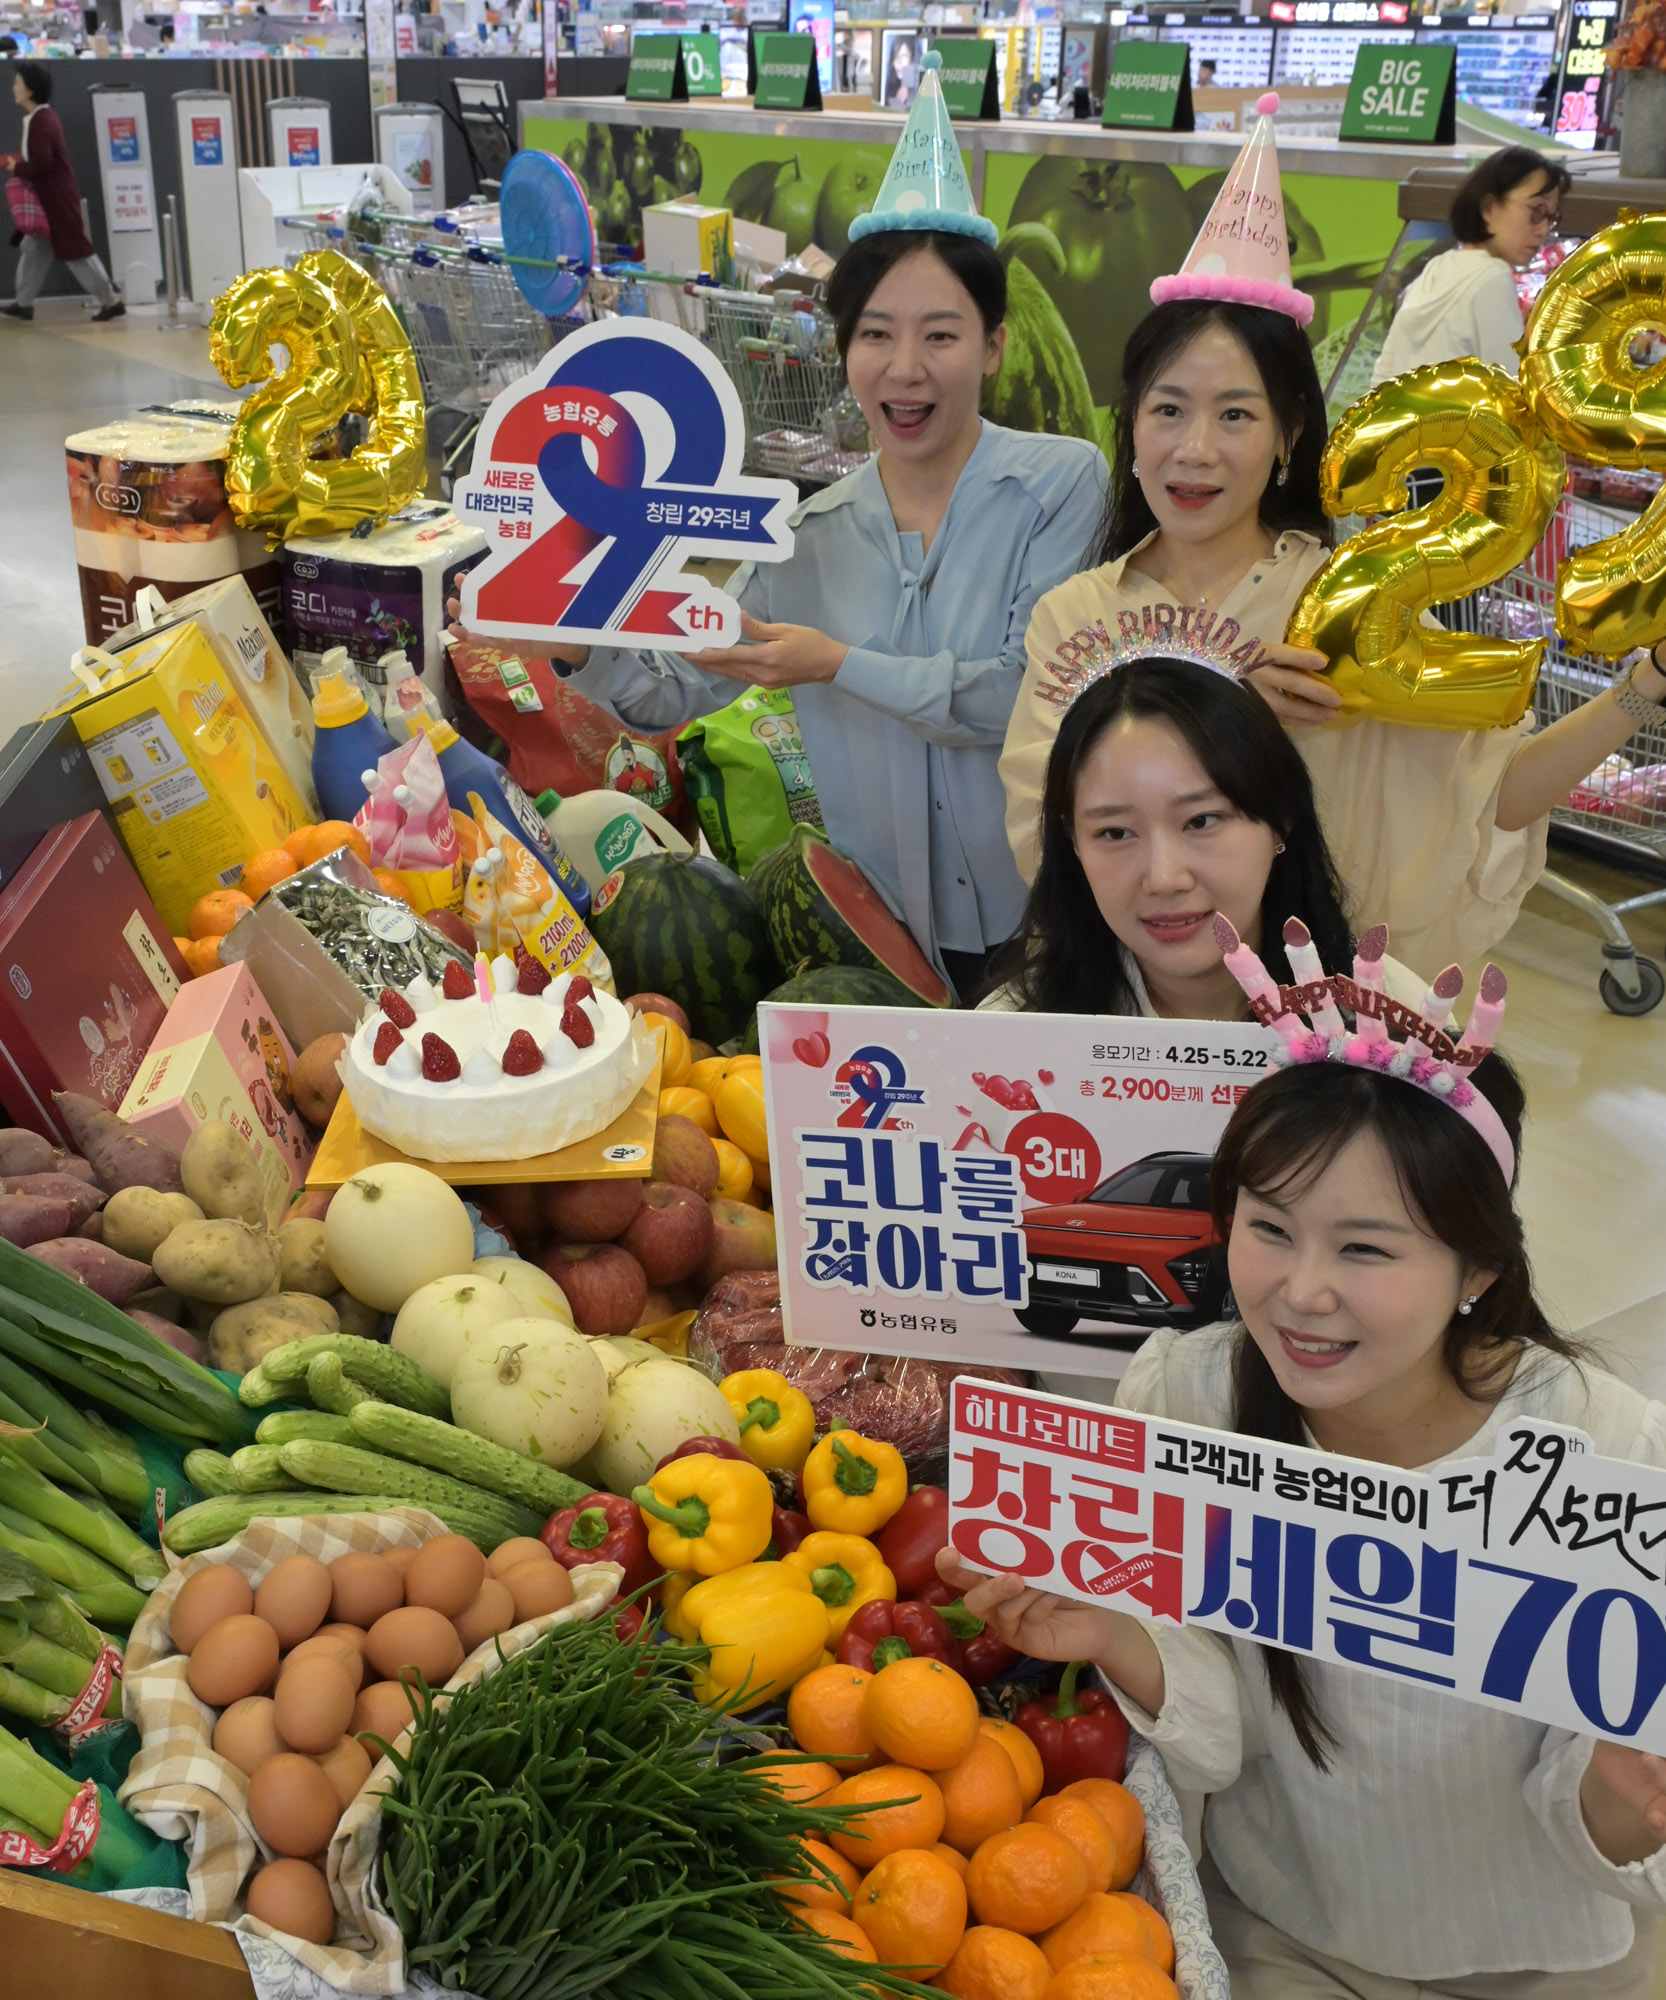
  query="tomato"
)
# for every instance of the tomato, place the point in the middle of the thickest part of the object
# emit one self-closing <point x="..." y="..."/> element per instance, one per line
<point x="909" y="1541"/>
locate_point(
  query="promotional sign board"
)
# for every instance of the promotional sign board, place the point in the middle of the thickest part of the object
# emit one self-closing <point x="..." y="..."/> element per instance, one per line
<point x="1527" y="1579"/>
<point x="122" y="124"/>
<point x="658" y="73"/>
<point x="598" y="476"/>
<point x="1150" y="85"/>
<point x="1404" y="97"/>
<point x="788" y="74"/>
<point x="205" y="130"/>
<point x="968" y="79"/>
<point x="1027" y="1190"/>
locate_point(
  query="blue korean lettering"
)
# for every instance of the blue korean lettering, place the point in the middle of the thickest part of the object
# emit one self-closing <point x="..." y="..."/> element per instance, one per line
<point x="1431" y="1628"/>
<point x="1280" y="1563"/>
<point x="839" y="1159"/>
<point x="910" y="1260"/>
<point x="922" y="1169"/>
<point x="837" y="1254"/>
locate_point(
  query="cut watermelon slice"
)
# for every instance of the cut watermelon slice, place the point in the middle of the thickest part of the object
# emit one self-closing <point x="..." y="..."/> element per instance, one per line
<point x="822" y="909"/>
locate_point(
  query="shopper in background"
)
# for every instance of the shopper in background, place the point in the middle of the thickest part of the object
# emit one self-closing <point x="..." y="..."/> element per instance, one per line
<point x="1369" y="1837"/>
<point x="1464" y="303"/>
<point x="43" y="162"/>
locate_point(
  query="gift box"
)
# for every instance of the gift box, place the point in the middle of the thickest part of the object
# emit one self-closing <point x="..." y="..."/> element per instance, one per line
<point x="90" y="972"/>
<point x="45" y="779"/>
<point x="221" y="1056"/>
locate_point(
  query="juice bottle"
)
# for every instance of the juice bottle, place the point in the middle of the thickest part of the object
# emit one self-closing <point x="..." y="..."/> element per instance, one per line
<point x="601" y="830"/>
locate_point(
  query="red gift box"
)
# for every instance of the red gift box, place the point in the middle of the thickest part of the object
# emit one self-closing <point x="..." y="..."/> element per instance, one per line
<point x="87" y="973"/>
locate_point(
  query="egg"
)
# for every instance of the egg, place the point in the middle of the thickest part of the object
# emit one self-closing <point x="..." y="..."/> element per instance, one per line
<point x="293" y="1806"/>
<point x="363" y="1587"/>
<point x="314" y="1704"/>
<point x="492" y="1611"/>
<point x="293" y="1897"/>
<point x="341" y="1647"/>
<point x="346" y="1766"/>
<point x="415" y="1637"/>
<point x="354" y="1633"/>
<point x="246" y="1735"/>
<point x="234" y="1658"/>
<point x="382" y="1710"/>
<point x="538" y="1588"/>
<point x="446" y="1576"/>
<point x="524" y="1548"/>
<point x="216" y="1592"/>
<point x="294" y="1598"/>
<point x="402" y="1557"/>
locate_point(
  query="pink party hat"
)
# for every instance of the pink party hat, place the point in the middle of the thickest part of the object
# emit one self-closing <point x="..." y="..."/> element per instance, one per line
<point x="1242" y="252"/>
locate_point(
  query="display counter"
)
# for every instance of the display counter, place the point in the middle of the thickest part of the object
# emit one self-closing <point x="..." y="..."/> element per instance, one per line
<point x="1122" y="206"/>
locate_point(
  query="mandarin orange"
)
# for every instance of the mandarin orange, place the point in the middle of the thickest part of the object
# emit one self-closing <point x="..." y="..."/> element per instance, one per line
<point x="1027" y="1879"/>
<point x="912" y="1906"/>
<point x="907" y="1811"/>
<point x="922" y="1713"/>
<point x="996" y="1964"/>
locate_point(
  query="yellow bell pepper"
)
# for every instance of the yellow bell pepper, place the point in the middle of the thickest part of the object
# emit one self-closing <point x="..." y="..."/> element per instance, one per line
<point x="777" y="1423"/>
<point x="762" y="1641"/>
<point x="852" y="1484"/>
<point x="706" y="1513"/>
<point x="702" y="1594"/>
<point x="845" y="1572"/>
<point x="672" y="1592"/>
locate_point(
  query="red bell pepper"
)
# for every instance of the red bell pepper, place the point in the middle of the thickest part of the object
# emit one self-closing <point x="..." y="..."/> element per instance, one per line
<point x="909" y="1541"/>
<point x="880" y="1632"/>
<point x="787" y="1529"/>
<point x="718" y="1447"/>
<point x="937" y="1592"/>
<point x="984" y="1652"/>
<point x="1079" y="1735"/>
<point x="604" y="1528"/>
<point x="628" y="1621"/>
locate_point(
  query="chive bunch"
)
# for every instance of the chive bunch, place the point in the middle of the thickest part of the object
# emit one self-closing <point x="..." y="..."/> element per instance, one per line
<point x="568" y="1828"/>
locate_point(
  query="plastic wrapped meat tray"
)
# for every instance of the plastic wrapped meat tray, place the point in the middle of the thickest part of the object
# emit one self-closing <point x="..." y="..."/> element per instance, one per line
<point x="903" y="1401"/>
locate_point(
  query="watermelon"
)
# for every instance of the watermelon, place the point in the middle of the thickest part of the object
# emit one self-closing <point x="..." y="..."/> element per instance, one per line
<point x="837" y="986"/>
<point x="820" y="907"/>
<point x="685" y="926"/>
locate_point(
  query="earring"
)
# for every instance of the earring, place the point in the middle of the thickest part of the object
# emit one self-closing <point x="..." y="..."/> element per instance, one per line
<point x="1136" y="471"/>
<point x="1283" y="470"/>
<point x="1278" y="847"/>
<point x="1469" y="1305"/>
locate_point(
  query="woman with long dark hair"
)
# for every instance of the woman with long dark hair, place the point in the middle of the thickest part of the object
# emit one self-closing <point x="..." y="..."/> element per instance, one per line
<point x="1369" y="1836"/>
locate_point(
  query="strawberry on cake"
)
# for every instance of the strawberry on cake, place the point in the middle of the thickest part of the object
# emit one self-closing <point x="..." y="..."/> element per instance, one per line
<point x="510" y="1066"/>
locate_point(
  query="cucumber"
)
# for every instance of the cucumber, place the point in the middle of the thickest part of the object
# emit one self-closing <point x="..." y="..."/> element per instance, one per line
<point x="258" y="1388"/>
<point x="445" y="1448"/>
<point x="344" y="1468"/>
<point x="210" y="1472"/>
<point x="386" y="1373"/>
<point x="331" y="1387"/>
<point x="211" y="1522"/>
<point x="257" y="1469"/>
<point x="285" y="1426"/>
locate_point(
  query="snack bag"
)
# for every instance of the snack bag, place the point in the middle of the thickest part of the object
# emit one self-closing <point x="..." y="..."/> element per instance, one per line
<point x="511" y="900"/>
<point x="408" y="822"/>
<point x="750" y="779"/>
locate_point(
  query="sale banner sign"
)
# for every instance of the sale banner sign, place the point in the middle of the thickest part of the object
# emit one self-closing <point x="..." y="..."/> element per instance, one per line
<point x="1527" y="1579"/>
<point x="1028" y="1190"/>
<point x="596" y="477"/>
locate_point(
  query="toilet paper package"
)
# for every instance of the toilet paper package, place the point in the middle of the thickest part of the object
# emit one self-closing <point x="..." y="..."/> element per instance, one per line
<point x="378" y="593"/>
<point x="147" y="500"/>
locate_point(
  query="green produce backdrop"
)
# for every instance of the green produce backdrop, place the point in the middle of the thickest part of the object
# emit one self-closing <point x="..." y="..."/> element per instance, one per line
<point x="1084" y="237"/>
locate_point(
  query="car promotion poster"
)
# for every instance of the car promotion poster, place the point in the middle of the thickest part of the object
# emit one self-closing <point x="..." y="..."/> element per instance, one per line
<point x="1026" y="1190"/>
<point x="596" y="477"/>
<point x="1527" y="1578"/>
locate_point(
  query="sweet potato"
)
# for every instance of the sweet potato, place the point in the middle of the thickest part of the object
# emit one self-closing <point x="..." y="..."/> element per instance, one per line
<point x="159" y="1303"/>
<point x="32" y="1218"/>
<point x="23" y="1152"/>
<point x="80" y="1199"/>
<point x="222" y="1174"/>
<point x="106" y="1272"/>
<point x="223" y="1262"/>
<point x="177" y="1337"/>
<point x="78" y="1168"/>
<point x="92" y="1230"/>
<point x="119" y="1156"/>
<point x="138" y="1221"/>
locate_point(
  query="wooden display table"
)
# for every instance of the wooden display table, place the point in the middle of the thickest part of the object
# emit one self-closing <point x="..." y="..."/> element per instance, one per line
<point x="64" y="1943"/>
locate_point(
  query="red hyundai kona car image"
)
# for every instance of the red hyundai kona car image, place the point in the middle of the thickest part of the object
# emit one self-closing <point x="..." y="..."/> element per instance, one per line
<point x="1139" y="1251"/>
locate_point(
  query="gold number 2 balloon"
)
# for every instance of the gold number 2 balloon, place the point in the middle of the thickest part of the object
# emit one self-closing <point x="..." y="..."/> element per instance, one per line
<point x="1597" y="402"/>
<point x="1364" y="609"/>
<point x="346" y="351"/>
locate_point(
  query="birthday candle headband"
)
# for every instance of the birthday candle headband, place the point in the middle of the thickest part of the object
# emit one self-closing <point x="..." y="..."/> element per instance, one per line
<point x="1426" y="1055"/>
<point x="1068" y="679"/>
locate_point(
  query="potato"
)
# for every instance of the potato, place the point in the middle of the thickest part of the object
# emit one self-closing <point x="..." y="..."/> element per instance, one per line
<point x="138" y="1221"/>
<point x="356" y="1316"/>
<point x="221" y="1261"/>
<point x="302" y="1265"/>
<point x="222" y="1174"/>
<point x="245" y="1334"/>
<point x="314" y="1079"/>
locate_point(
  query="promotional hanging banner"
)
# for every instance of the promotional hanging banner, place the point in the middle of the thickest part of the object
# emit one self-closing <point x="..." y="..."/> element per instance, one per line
<point x="1528" y="1579"/>
<point x="1026" y="1190"/>
<point x="596" y="477"/>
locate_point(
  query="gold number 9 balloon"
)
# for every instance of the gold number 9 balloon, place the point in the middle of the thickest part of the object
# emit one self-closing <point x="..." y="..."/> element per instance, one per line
<point x="346" y="351"/>
<point x="1502" y="479"/>
<point x="1596" y="401"/>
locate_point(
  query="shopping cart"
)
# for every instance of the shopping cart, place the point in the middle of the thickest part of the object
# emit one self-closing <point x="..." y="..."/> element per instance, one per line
<point x="1621" y="805"/>
<point x="782" y="357"/>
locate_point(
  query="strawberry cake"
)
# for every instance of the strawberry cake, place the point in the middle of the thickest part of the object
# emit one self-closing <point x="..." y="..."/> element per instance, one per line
<point x="448" y="1075"/>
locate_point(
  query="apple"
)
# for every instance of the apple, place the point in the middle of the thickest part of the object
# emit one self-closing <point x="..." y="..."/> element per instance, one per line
<point x="590" y="1211"/>
<point x="605" y="1286"/>
<point x="743" y="1239"/>
<point x="453" y="928"/>
<point x="517" y="1210"/>
<point x="684" y="1154"/>
<point x="699" y="1051"/>
<point x="670" y="1233"/>
<point x="658" y="1003"/>
<point x="659" y="1304"/>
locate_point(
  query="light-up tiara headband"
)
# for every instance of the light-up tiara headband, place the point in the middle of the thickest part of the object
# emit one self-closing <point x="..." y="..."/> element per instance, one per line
<point x="1427" y="1056"/>
<point x="1079" y="664"/>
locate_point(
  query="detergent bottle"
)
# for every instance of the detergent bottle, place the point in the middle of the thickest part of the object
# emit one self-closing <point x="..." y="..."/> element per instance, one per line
<point x="466" y="769"/>
<point x="349" y="741"/>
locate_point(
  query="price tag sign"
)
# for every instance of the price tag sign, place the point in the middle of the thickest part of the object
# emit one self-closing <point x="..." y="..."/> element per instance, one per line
<point x="702" y="66"/>
<point x="596" y="478"/>
<point x="1023" y="1190"/>
<point x="970" y="88"/>
<point x="1402" y="95"/>
<point x="787" y="78"/>
<point x="1150" y="86"/>
<point x="658" y="73"/>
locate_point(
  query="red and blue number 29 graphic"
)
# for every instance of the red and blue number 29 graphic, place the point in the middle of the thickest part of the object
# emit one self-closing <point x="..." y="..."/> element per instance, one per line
<point x="596" y="477"/>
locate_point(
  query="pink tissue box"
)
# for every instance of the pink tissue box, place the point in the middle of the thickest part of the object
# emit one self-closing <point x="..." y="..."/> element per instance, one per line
<point x="220" y="1054"/>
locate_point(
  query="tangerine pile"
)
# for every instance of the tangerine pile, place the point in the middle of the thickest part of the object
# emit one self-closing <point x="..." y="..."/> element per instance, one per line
<point x="214" y="914"/>
<point x="958" y="1871"/>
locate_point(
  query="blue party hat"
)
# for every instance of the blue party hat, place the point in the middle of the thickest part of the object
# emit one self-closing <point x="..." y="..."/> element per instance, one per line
<point x="925" y="185"/>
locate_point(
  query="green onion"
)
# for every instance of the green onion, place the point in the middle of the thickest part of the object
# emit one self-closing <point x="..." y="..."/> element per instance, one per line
<point x="103" y="1594"/>
<point x="86" y="1522"/>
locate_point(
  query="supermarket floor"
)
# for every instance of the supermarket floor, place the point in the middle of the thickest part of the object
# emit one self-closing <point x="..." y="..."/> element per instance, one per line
<point x="1595" y="1169"/>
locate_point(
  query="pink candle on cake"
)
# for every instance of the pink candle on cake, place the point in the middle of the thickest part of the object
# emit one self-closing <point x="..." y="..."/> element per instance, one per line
<point x="1307" y="969"/>
<point x="1245" y="966"/>
<point x="1437" y="1002"/>
<point x="1368" y="977"/>
<point x="1487" y="1014"/>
